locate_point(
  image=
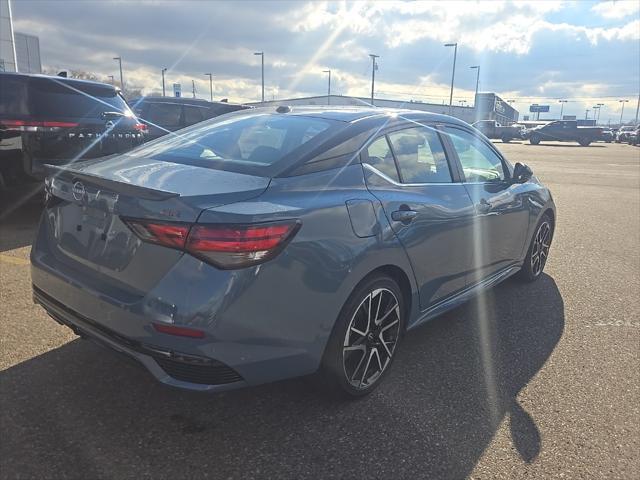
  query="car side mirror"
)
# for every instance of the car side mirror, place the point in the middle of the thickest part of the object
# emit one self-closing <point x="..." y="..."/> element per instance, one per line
<point x="521" y="173"/>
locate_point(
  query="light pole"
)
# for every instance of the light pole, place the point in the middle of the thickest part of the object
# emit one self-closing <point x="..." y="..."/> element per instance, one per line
<point x="586" y="114"/>
<point x="453" y="72"/>
<point x="262" y="59"/>
<point x="328" y="87"/>
<point x="622" y="111"/>
<point x="163" y="91"/>
<point x="210" y="75"/>
<point x="562" y="102"/>
<point x="477" y="68"/>
<point x="119" y="59"/>
<point x="599" y="105"/>
<point x="374" y="67"/>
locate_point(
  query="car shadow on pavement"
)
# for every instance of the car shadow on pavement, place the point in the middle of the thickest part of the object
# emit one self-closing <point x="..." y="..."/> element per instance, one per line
<point x="19" y="214"/>
<point x="79" y="412"/>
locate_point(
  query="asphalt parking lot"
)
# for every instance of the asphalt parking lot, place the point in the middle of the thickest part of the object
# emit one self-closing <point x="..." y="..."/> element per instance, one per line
<point x="528" y="381"/>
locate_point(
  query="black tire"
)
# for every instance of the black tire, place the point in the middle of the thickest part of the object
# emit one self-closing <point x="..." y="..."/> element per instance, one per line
<point x="584" y="142"/>
<point x="534" y="139"/>
<point x="532" y="270"/>
<point x="505" y="138"/>
<point x="343" y="369"/>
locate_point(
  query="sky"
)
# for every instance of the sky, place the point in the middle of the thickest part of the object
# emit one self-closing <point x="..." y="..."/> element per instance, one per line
<point x="531" y="51"/>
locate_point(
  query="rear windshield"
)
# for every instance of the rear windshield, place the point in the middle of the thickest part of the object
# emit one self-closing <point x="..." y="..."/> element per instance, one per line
<point x="50" y="97"/>
<point x="250" y="143"/>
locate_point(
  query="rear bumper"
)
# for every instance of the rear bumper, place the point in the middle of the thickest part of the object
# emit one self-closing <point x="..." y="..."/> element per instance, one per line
<point x="239" y="334"/>
<point x="172" y="368"/>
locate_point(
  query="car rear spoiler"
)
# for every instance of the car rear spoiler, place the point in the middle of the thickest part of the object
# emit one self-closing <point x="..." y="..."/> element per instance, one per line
<point x="112" y="185"/>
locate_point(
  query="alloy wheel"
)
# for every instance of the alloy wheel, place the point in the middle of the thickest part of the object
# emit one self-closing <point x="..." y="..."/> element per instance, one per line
<point x="540" y="248"/>
<point x="371" y="338"/>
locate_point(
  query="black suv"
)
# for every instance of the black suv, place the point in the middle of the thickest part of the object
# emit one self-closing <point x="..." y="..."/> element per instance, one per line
<point x="168" y="114"/>
<point x="57" y="120"/>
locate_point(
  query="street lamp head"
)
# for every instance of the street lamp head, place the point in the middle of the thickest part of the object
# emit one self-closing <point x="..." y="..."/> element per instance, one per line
<point x="451" y="44"/>
<point x="475" y="66"/>
<point x="117" y="58"/>
<point x="372" y="55"/>
<point x="259" y="53"/>
<point x="326" y="71"/>
<point x="164" y="69"/>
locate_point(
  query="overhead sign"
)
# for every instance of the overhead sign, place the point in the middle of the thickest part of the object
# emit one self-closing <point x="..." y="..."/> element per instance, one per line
<point x="177" y="90"/>
<point x="569" y="117"/>
<point x="538" y="108"/>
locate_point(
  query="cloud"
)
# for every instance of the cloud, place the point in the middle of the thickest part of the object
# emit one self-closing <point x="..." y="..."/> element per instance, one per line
<point x="617" y="9"/>
<point x="527" y="50"/>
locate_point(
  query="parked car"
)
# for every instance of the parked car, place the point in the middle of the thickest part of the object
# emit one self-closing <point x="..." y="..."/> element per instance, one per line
<point x="564" y="131"/>
<point x="623" y="133"/>
<point x="270" y="244"/>
<point x="493" y="129"/>
<point x="607" y="135"/>
<point x="163" y="115"/>
<point x="634" y="137"/>
<point x="56" y="120"/>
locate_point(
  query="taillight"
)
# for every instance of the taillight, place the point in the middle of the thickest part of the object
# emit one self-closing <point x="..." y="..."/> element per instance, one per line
<point x="32" y="126"/>
<point x="141" y="127"/>
<point x="225" y="246"/>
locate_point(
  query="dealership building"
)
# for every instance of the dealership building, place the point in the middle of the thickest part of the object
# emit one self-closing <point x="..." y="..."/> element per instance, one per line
<point x="490" y="106"/>
<point x="19" y="52"/>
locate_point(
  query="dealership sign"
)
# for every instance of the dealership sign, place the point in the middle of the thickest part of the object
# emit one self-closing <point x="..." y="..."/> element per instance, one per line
<point x="177" y="90"/>
<point x="538" y="108"/>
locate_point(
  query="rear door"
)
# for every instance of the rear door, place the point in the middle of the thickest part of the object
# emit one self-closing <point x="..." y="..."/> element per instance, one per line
<point x="162" y="118"/>
<point x="501" y="207"/>
<point x="193" y="114"/>
<point x="427" y="206"/>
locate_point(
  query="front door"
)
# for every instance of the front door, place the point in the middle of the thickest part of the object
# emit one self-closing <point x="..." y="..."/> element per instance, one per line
<point x="428" y="208"/>
<point x="501" y="209"/>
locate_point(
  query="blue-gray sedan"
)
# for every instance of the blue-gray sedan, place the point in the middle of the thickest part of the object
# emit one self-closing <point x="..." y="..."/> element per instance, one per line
<point x="269" y="244"/>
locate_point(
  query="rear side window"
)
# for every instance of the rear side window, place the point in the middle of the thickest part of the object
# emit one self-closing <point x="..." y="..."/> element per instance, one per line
<point x="193" y="114"/>
<point x="164" y="114"/>
<point x="479" y="162"/>
<point x="53" y="98"/>
<point x="380" y="157"/>
<point x="13" y="96"/>
<point x="420" y="156"/>
<point x="247" y="143"/>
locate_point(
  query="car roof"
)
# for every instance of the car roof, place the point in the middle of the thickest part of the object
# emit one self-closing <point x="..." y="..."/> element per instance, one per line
<point x="179" y="100"/>
<point x="352" y="114"/>
<point x="76" y="81"/>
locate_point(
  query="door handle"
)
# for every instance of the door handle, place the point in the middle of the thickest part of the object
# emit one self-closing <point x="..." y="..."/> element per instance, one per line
<point x="404" y="216"/>
<point x="483" y="206"/>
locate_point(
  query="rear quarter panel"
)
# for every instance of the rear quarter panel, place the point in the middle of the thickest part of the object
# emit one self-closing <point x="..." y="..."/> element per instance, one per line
<point x="303" y="289"/>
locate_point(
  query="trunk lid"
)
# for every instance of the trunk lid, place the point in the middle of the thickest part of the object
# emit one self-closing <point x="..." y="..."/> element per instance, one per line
<point x="83" y="223"/>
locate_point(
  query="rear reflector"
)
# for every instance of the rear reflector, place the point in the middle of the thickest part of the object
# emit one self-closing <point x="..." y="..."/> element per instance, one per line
<point x="225" y="246"/>
<point x="178" y="331"/>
